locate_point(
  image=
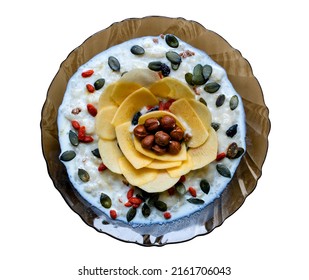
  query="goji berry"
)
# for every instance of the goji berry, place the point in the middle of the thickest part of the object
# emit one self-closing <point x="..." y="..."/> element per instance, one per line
<point x="171" y="190"/>
<point x="113" y="214"/>
<point x="220" y="156"/>
<point x="102" y="167"/>
<point x="192" y="191"/>
<point x="167" y="215"/>
<point x="87" y="73"/>
<point x="92" y="110"/>
<point x="87" y="139"/>
<point x="182" y="179"/>
<point x="130" y="193"/>
<point x="135" y="200"/>
<point x="128" y="204"/>
<point x="161" y="105"/>
<point x="90" y="88"/>
<point x="168" y="103"/>
<point x="75" y="124"/>
<point x="81" y="133"/>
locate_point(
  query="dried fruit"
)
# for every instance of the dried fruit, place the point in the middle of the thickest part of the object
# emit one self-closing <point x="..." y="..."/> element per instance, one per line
<point x="192" y="191"/>
<point x="167" y="215"/>
<point x="105" y="200"/>
<point x="92" y="110"/>
<point x="174" y="147"/>
<point x="90" y="88"/>
<point x="87" y="73"/>
<point x="113" y="214"/>
<point x="152" y="124"/>
<point x="140" y="132"/>
<point x="148" y="142"/>
<point x="162" y="138"/>
<point x="168" y="123"/>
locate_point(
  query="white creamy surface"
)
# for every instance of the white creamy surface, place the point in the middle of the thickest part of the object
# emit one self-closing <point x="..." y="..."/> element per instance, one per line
<point x="77" y="96"/>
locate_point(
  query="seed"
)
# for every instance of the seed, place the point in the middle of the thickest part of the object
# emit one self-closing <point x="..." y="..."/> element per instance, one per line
<point x="234" y="102"/>
<point x="135" y="118"/>
<point x="232" y="150"/>
<point x="240" y="152"/>
<point x="180" y="188"/>
<point x="220" y="100"/>
<point x="113" y="63"/>
<point x="98" y="84"/>
<point x="160" y="205"/>
<point x="96" y="153"/>
<point x="198" y="79"/>
<point x="67" y="155"/>
<point x="232" y="130"/>
<point x="131" y="214"/>
<point x="155" y="65"/>
<point x="175" y="66"/>
<point x="153" y="198"/>
<point x="83" y="175"/>
<point x="205" y="186"/>
<point x="105" y="200"/>
<point x="188" y="78"/>
<point x="194" y="200"/>
<point x="212" y="87"/>
<point x="202" y="100"/>
<point x="223" y="170"/>
<point x="146" y="210"/>
<point x="198" y="70"/>
<point x="73" y="138"/>
<point x="173" y="57"/>
<point x="137" y="50"/>
<point x="215" y="125"/>
<point x="171" y="40"/>
<point x="207" y="70"/>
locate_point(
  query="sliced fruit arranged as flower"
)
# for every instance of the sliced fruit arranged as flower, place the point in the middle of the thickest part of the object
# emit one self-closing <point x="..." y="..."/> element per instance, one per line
<point x="153" y="131"/>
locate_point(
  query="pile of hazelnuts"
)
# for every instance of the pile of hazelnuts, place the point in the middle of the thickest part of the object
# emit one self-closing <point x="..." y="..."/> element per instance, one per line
<point x="160" y="135"/>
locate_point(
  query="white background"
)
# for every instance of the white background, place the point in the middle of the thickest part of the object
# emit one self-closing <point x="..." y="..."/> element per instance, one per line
<point x="41" y="238"/>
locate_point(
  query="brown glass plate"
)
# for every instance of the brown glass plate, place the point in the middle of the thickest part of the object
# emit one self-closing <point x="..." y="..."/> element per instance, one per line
<point x="240" y="74"/>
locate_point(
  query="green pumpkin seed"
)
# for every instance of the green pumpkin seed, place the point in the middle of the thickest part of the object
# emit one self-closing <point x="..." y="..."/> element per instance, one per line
<point x="131" y="214"/>
<point x="137" y="50"/>
<point x="67" y="155"/>
<point x="171" y="40"/>
<point x="83" y="175"/>
<point x="232" y="150"/>
<point x="215" y="126"/>
<point x="212" y="87"/>
<point x="220" y="100"/>
<point x="207" y="71"/>
<point x="232" y="130"/>
<point x="146" y="210"/>
<point x="223" y="170"/>
<point x="153" y="198"/>
<point x="73" y="138"/>
<point x="188" y="78"/>
<point x="180" y="188"/>
<point x="160" y="205"/>
<point x="202" y="100"/>
<point x="155" y="65"/>
<point x="96" y="153"/>
<point x="175" y="66"/>
<point x="240" y="152"/>
<point x="205" y="186"/>
<point x="113" y="63"/>
<point x="105" y="200"/>
<point x="98" y="84"/>
<point x="234" y="102"/>
<point x="198" y="79"/>
<point x="195" y="200"/>
<point x="198" y="70"/>
<point x="173" y="57"/>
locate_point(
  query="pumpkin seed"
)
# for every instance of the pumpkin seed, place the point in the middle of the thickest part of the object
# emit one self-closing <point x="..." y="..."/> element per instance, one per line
<point x="223" y="170"/>
<point x="113" y="63"/>
<point x="232" y="130"/>
<point x="135" y="118"/>
<point x="73" y="138"/>
<point x="173" y="57"/>
<point x="207" y="70"/>
<point x="131" y="214"/>
<point x="146" y="210"/>
<point x="198" y="69"/>
<point x="83" y="175"/>
<point x="188" y="78"/>
<point x="153" y="198"/>
<point x="175" y="66"/>
<point x="240" y="152"/>
<point x="96" y="153"/>
<point x="160" y="205"/>
<point x="212" y="87"/>
<point x="194" y="200"/>
<point x="234" y="102"/>
<point x="67" y="155"/>
<point x="202" y="100"/>
<point x="105" y="200"/>
<point x="215" y="125"/>
<point x="171" y="40"/>
<point x="232" y="150"/>
<point x="220" y="100"/>
<point x="137" y="50"/>
<point x="205" y="186"/>
<point x="198" y="79"/>
<point x="180" y="188"/>
<point x="98" y="84"/>
<point x="155" y="65"/>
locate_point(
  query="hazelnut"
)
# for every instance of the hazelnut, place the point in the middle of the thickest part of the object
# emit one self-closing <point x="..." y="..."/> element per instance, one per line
<point x="174" y="147"/>
<point x="177" y="133"/>
<point x="168" y="123"/>
<point x="158" y="149"/>
<point x="152" y="124"/>
<point x="140" y="132"/>
<point x="148" y="142"/>
<point x="162" y="138"/>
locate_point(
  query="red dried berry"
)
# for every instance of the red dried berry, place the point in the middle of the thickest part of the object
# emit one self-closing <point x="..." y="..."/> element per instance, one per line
<point x="92" y="110"/>
<point x="168" y="103"/>
<point x="102" y="167"/>
<point x="75" y="124"/>
<point x="192" y="191"/>
<point x="128" y="204"/>
<point x="87" y="139"/>
<point x="182" y="179"/>
<point x="90" y="88"/>
<point x="167" y="215"/>
<point x="135" y="200"/>
<point x="81" y="133"/>
<point x="130" y="193"/>
<point x="113" y="214"/>
<point x="171" y="191"/>
<point x="87" y="73"/>
<point x="220" y="156"/>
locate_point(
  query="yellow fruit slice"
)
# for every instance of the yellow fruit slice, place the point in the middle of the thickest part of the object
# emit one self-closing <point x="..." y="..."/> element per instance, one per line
<point x="122" y="90"/>
<point x="103" y="126"/>
<point x="202" y="112"/>
<point x="132" y="104"/>
<point x="183" y="169"/>
<point x="158" y="164"/>
<point x="182" y="155"/>
<point x="110" y="153"/>
<point x="143" y="76"/>
<point x="159" y="114"/>
<point x="171" y="88"/>
<point x="105" y="98"/>
<point x="206" y="153"/>
<point x="136" y="177"/>
<point x="126" y="145"/>
<point x="162" y="182"/>
<point x="182" y="109"/>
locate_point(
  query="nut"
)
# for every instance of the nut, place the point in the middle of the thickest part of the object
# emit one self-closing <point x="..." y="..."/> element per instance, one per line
<point x="177" y="133"/>
<point x="152" y="124"/>
<point x="162" y="138"/>
<point x="158" y="149"/>
<point x="174" y="147"/>
<point x="168" y="123"/>
<point x="140" y="132"/>
<point x="148" y="142"/>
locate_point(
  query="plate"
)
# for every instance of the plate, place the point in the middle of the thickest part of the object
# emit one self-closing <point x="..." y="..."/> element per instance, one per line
<point x="241" y="76"/>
